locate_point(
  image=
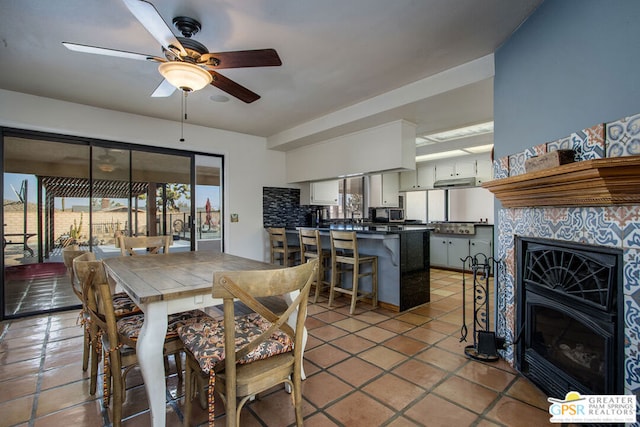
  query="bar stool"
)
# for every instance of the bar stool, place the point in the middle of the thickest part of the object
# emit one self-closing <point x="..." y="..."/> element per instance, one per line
<point x="279" y="247"/>
<point x="311" y="248"/>
<point x="346" y="258"/>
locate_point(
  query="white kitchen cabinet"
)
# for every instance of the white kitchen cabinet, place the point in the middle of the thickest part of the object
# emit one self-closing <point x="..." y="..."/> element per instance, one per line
<point x="447" y="251"/>
<point x="383" y="190"/>
<point x="420" y="179"/>
<point x="482" y="242"/>
<point x="458" y="169"/>
<point x="484" y="170"/>
<point x="325" y="192"/>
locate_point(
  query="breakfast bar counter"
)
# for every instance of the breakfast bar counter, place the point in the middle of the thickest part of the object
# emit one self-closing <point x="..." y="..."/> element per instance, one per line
<point x="403" y="260"/>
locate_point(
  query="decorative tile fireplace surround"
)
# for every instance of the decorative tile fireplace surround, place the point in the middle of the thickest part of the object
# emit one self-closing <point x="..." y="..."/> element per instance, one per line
<point x="606" y="224"/>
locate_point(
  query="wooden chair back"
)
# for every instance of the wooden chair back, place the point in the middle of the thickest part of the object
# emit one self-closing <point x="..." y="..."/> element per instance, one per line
<point x="68" y="255"/>
<point x="311" y="248"/>
<point x="279" y="247"/>
<point x="151" y="244"/>
<point x="247" y="286"/>
<point x="344" y="247"/>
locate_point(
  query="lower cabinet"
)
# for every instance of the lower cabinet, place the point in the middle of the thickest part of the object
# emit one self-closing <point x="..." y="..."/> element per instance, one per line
<point x="448" y="251"/>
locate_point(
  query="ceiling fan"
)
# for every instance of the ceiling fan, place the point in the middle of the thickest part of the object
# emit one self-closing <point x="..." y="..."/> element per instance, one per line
<point x="187" y="64"/>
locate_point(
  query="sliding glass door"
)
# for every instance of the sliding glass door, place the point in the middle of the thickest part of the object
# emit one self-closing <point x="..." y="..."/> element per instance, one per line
<point x="60" y="191"/>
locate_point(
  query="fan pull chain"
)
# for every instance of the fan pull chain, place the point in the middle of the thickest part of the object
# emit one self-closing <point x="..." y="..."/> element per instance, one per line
<point x="183" y="115"/>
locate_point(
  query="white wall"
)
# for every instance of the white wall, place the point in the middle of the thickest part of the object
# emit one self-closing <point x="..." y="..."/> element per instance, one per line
<point x="248" y="164"/>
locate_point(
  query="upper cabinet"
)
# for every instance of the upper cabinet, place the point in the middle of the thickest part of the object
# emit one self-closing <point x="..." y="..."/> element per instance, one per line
<point x="383" y="190"/>
<point x="484" y="170"/>
<point x="457" y="169"/>
<point x="325" y="192"/>
<point x="420" y="179"/>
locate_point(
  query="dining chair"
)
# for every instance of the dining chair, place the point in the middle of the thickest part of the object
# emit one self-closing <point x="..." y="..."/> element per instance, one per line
<point x="311" y="248"/>
<point x="150" y="244"/>
<point x="345" y="258"/>
<point x="280" y="250"/>
<point x="116" y="337"/>
<point x="70" y="253"/>
<point x="262" y="350"/>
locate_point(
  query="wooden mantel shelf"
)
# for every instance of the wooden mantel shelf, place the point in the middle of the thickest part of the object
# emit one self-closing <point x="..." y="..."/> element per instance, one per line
<point x="599" y="182"/>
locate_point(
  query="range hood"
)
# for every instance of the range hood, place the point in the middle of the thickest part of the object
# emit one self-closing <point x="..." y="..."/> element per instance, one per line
<point x="456" y="183"/>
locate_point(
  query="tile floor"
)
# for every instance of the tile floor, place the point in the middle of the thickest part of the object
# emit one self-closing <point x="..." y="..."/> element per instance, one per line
<point x="374" y="368"/>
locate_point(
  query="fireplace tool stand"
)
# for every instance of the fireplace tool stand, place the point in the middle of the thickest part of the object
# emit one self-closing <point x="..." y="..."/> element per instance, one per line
<point x="485" y="343"/>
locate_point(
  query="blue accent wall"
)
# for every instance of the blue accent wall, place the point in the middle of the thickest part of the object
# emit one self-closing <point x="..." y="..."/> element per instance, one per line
<point x="571" y="65"/>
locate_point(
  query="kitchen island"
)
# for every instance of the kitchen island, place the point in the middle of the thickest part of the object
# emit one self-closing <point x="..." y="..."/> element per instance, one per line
<point x="403" y="260"/>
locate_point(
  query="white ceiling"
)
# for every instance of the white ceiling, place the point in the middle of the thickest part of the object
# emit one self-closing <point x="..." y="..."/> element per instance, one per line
<point x="335" y="54"/>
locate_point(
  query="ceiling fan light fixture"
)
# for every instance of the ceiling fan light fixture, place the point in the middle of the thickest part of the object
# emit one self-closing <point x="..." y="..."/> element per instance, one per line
<point x="185" y="76"/>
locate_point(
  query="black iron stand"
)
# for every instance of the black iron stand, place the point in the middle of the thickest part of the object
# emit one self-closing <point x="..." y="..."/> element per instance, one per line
<point x="485" y="343"/>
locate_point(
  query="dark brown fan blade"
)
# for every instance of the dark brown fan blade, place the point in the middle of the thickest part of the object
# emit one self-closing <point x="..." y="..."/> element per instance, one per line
<point x="233" y="88"/>
<point x="245" y="58"/>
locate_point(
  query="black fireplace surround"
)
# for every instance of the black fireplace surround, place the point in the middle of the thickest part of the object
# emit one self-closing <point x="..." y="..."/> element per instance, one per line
<point x="569" y="316"/>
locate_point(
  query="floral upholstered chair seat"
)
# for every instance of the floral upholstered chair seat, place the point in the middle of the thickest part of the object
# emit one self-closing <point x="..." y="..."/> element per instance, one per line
<point x="130" y="326"/>
<point x="123" y="305"/>
<point x="205" y="342"/>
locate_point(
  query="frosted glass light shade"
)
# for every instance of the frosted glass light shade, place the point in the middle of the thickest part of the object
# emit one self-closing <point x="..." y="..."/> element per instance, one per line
<point x="185" y="76"/>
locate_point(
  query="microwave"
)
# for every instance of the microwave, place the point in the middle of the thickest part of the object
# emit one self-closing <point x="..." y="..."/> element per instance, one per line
<point x="387" y="214"/>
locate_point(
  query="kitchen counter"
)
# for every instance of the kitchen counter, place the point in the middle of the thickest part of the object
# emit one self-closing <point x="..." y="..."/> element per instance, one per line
<point x="403" y="260"/>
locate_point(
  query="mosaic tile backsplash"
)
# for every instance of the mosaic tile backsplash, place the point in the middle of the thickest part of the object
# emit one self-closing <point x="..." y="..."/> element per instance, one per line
<point x="613" y="226"/>
<point x="281" y="208"/>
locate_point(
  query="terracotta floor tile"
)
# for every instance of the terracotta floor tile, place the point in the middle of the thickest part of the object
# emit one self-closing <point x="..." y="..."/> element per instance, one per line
<point x="352" y="343"/>
<point x="276" y="408"/>
<point x="86" y="414"/>
<point x="323" y="388"/>
<point x="319" y="420"/>
<point x="488" y="376"/>
<point x="355" y="371"/>
<point x="328" y="332"/>
<point x="325" y="355"/>
<point x="21" y="354"/>
<point x="425" y="335"/>
<point x="383" y="357"/>
<point x="19" y="369"/>
<point x="375" y="334"/>
<point x="395" y="325"/>
<point x="402" y="422"/>
<point x="405" y="345"/>
<point x="442" y="358"/>
<point x="16" y="411"/>
<point x="360" y="410"/>
<point x="443" y="327"/>
<point x="18" y="387"/>
<point x="524" y="390"/>
<point x="466" y="393"/>
<point x="393" y="391"/>
<point x="351" y="324"/>
<point x="412" y="318"/>
<point x="64" y="396"/>
<point x="420" y="373"/>
<point x="437" y="412"/>
<point x="330" y="316"/>
<point x="374" y="317"/>
<point x="511" y="412"/>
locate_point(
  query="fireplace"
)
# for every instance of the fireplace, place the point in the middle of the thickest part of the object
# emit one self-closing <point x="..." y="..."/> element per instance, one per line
<point x="569" y="316"/>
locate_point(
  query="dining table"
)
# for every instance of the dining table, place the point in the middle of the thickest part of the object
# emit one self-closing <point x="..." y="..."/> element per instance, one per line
<point x="163" y="284"/>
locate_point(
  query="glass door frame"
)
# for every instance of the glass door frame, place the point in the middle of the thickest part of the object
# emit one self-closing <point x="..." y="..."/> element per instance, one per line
<point x="93" y="143"/>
